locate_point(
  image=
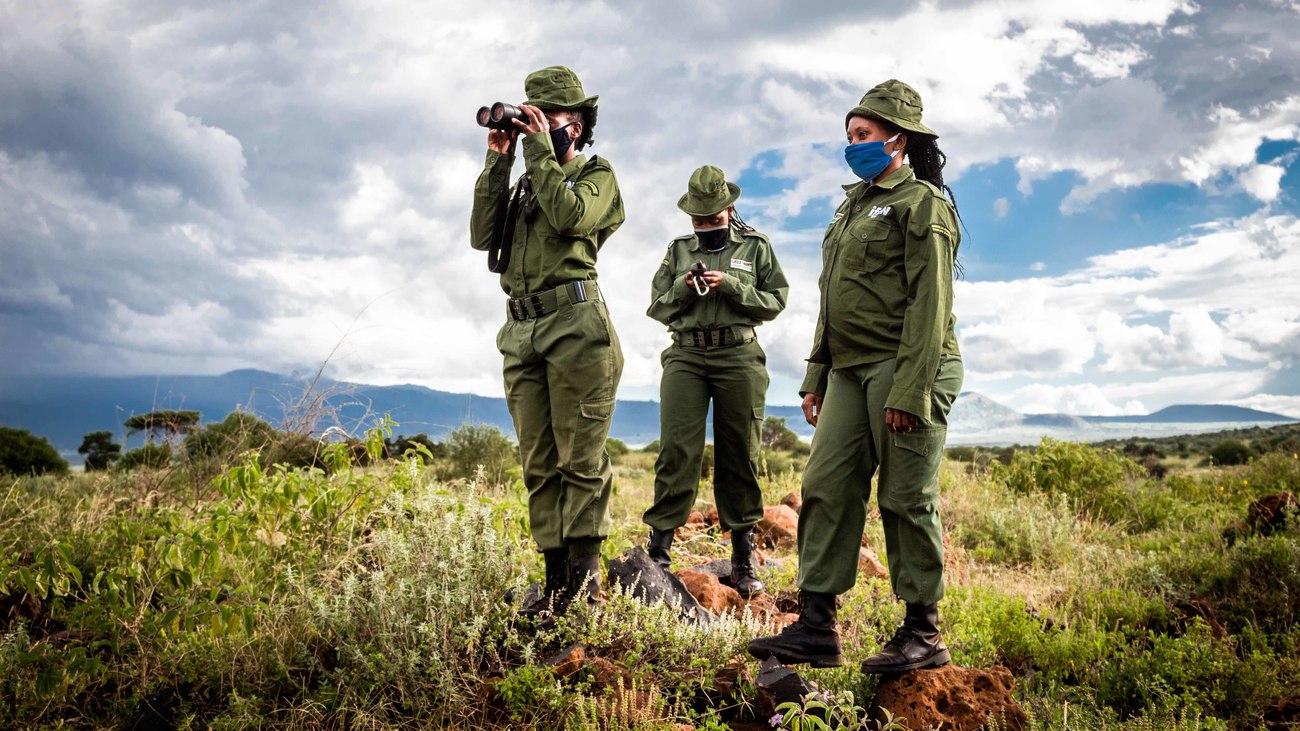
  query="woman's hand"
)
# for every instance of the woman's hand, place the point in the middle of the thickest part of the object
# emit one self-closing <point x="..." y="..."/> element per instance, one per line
<point x="812" y="408"/>
<point x="713" y="279"/>
<point x="537" y="121"/>
<point x="500" y="140"/>
<point x="900" y="421"/>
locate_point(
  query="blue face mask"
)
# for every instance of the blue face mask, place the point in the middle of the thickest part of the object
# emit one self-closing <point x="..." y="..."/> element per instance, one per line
<point x="869" y="159"/>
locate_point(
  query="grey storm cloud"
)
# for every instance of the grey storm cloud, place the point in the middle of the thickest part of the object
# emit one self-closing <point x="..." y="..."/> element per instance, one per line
<point x="245" y="166"/>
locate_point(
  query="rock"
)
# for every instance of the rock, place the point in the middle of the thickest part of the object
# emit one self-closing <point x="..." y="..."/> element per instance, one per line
<point x="794" y="501"/>
<point x="1269" y="513"/>
<point x="644" y="579"/>
<point x="950" y="697"/>
<point x="605" y="674"/>
<point x="869" y="564"/>
<point x="778" y="528"/>
<point x="779" y="684"/>
<point x="569" y="661"/>
<point x="696" y="519"/>
<point x="710" y="592"/>
<point x="711" y="517"/>
<point x="719" y="567"/>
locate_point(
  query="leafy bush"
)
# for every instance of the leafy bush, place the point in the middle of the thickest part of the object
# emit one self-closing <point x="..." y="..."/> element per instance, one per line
<point x="1230" y="452"/>
<point x="1094" y="480"/>
<point x="24" y="453"/>
<point x="616" y="448"/>
<point x="1195" y="671"/>
<point x="474" y="446"/>
<point x="416" y="621"/>
<point x="149" y="457"/>
<point x="226" y="440"/>
<point x="1273" y="472"/>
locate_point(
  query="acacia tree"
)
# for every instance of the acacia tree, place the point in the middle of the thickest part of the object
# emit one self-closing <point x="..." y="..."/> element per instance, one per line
<point x="776" y="435"/>
<point x="167" y="424"/>
<point x="100" y="450"/>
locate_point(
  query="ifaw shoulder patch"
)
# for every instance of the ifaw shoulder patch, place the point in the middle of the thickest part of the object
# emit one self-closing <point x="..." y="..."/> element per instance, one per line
<point x="588" y="185"/>
<point x="941" y="230"/>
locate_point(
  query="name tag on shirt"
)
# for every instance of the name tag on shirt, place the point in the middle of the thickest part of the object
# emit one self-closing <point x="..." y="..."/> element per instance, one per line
<point x="741" y="264"/>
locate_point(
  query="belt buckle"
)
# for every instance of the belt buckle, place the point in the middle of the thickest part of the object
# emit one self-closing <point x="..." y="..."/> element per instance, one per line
<point x="516" y="309"/>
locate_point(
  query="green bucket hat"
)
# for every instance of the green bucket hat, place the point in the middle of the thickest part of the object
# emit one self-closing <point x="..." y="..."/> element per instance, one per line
<point x="554" y="88"/>
<point x="894" y="102"/>
<point x="708" y="192"/>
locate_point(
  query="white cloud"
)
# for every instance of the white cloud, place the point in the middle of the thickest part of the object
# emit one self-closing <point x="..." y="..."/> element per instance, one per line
<point x="1001" y="206"/>
<point x="1085" y="399"/>
<point x="1262" y="181"/>
<point x="285" y="179"/>
<point x="1111" y="62"/>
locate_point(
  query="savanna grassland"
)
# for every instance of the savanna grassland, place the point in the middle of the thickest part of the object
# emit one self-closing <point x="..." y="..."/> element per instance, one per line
<point x="219" y="589"/>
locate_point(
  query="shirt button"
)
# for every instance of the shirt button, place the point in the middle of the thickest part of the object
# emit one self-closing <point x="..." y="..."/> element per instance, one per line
<point x="856" y="209"/>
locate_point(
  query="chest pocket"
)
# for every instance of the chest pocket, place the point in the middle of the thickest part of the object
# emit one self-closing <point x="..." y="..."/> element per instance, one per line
<point x="869" y="244"/>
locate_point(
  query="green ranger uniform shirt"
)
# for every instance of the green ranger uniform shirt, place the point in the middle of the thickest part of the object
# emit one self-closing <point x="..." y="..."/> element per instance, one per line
<point x="753" y="288"/>
<point x="886" y="287"/>
<point x="578" y="206"/>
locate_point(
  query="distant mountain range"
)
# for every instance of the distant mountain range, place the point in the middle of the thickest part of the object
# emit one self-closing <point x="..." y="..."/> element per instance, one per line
<point x="67" y="407"/>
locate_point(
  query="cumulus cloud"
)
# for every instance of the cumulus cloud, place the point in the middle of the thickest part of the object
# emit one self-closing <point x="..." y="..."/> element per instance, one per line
<point x="282" y="183"/>
<point x="1087" y="399"/>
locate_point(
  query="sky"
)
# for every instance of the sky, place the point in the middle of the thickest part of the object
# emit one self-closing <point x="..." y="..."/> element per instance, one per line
<point x="192" y="188"/>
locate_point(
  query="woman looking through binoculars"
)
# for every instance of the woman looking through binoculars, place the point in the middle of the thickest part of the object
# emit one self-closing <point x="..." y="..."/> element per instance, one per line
<point x="561" y="357"/>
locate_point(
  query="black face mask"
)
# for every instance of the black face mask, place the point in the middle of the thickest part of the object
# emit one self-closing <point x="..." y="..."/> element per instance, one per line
<point x="713" y="239"/>
<point x="561" y="140"/>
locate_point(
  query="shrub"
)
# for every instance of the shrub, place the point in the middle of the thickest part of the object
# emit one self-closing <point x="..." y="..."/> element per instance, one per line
<point x="24" y="453"/>
<point x="225" y="440"/>
<point x="1194" y="671"/>
<point x="1094" y="479"/>
<point x="1230" y="452"/>
<point x="651" y="448"/>
<point x="776" y="435"/>
<point x="474" y="446"/>
<point x="150" y="456"/>
<point x="616" y="448"/>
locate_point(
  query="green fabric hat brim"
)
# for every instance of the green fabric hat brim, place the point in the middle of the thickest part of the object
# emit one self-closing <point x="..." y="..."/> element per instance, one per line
<point x="900" y="123"/>
<point x="550" y="106"/>
<point x="712" y="205"/>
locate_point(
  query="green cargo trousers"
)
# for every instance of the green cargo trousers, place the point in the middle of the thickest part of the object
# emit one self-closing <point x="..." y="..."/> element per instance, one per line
<point x="561" y="373"/>
<point x="735" y="379"/>
<point x="850" y="443"/>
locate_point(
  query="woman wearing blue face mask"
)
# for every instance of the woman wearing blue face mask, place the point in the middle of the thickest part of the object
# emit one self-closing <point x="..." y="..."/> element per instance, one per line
<point x="883" y="374"/>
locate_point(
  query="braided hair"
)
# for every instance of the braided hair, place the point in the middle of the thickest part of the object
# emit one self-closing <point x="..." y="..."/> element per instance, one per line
<point x="588" y="118"/>
<point x="927" y="162"/>
<point x="738" y="223"/>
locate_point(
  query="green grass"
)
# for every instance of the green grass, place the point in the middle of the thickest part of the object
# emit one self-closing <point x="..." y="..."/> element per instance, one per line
<point x="372" y="597"/>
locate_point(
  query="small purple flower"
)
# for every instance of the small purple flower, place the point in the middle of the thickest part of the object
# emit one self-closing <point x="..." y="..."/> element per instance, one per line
<point x="775" y="721"/>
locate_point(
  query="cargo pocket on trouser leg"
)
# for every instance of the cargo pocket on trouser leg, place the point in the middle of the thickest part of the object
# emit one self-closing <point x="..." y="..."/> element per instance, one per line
<point x="909" y="506"/>
<point x="590" y="433"/>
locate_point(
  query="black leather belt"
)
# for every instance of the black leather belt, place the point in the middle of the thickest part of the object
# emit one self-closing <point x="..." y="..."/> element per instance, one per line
<point x="532" y="306"/>
<point x="722" y="337"/>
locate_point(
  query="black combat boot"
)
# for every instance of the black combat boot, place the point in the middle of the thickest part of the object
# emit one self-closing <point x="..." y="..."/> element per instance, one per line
<point x="584" y="581"/>
<point x="744" y="565"/>
<point x="916" y="644"/>
<point x="810" y="639"/>
<point x="557" y="585"/>
<point x="661" y="542"/>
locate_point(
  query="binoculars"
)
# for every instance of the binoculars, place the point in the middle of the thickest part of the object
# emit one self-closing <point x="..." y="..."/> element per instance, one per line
<point x="697" y="278"/>
<point x="500" y="116"/>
